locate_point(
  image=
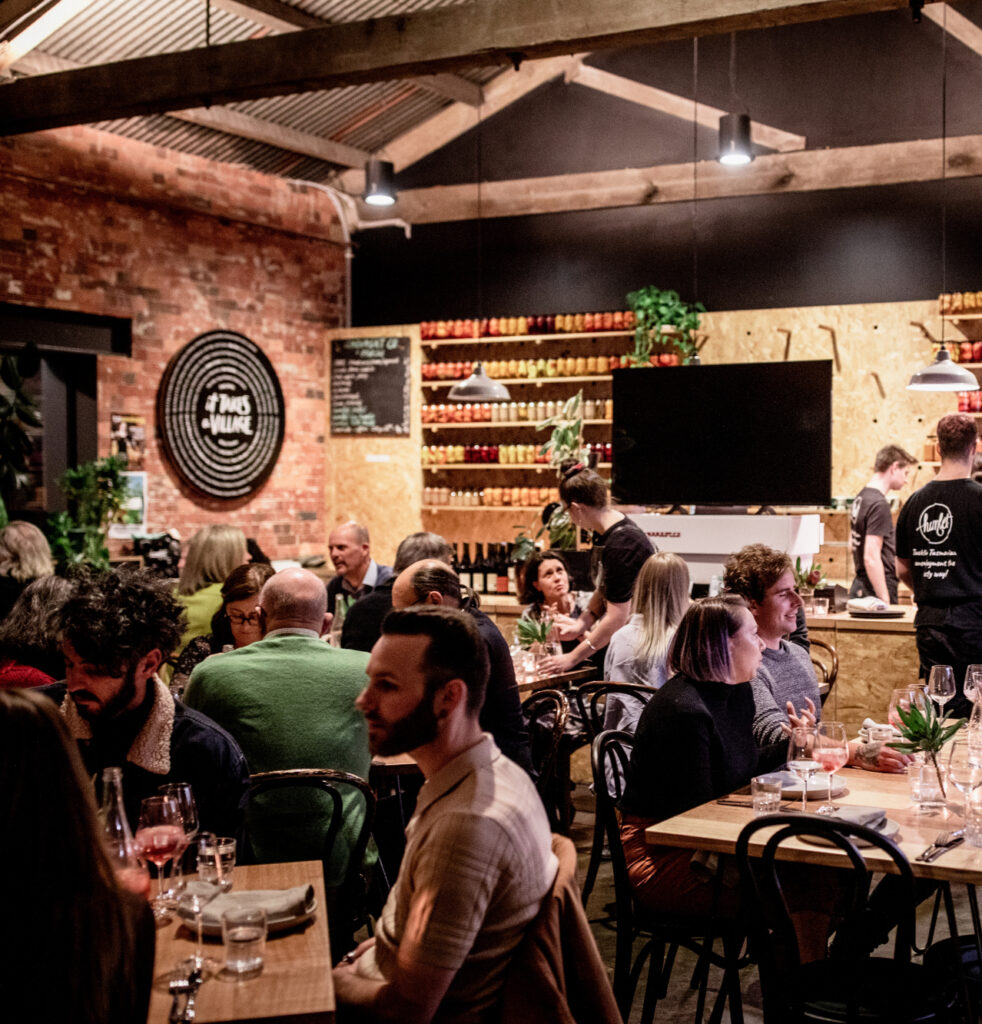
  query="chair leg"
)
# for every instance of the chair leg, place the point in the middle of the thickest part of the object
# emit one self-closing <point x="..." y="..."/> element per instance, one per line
<point x="596" y="855"/>
<point x="702" y="972"/>
<point x="949" y="906"/>
<point x="653" y="989"/>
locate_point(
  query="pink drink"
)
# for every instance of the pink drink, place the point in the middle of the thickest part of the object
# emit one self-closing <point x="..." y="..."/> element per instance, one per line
<point x="135" y="879"/>
<point x="831" y="760"/>
<point x="160" y="842"/>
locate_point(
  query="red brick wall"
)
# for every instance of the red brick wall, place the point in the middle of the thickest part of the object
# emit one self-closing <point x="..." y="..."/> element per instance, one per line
<point x="99" y="224"/>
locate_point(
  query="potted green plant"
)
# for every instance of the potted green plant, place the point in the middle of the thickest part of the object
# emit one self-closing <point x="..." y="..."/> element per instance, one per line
<point x="18" y="413"/>
<point x="663" y="315"/>
<point x="95" y="492"/>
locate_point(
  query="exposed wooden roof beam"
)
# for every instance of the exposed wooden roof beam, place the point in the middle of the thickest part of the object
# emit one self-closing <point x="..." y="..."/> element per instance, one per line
<point x="31" y="32"/>
<point x="806" y="171"/>
<point x="956" y="24"/>
<point x="282" y="17"/>
<point x="453" y="121"/>
<point x="230" y="121"/>
<point x="421" y="43"/>
<point x="677" y="106"/>
<point x="11" y="11"/>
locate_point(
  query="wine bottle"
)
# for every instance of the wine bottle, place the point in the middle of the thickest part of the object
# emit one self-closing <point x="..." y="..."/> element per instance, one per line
<point x="478" y="570"/>
<point x="501" y="568"/>
<point x="131" y="872"/>
<point x="464" y="572"/>
<point x="512" y="583"/>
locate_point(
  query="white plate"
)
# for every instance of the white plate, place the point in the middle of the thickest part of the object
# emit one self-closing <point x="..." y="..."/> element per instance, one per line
<point x="273" y="924"/>
<point x="890" y="829"/>
<point x="818" y="786"/>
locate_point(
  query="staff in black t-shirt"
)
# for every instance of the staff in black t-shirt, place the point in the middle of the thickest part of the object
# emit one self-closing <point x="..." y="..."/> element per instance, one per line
<point x="620" y="547"/>
<point x="939" y="556"/>
<point x="871" y="537"/>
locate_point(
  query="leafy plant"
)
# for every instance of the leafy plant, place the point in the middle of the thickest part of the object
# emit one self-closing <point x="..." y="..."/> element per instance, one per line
<point x="533" y="631"/>
<point x="566" y="441"/>
<point x="95" y="492"/>
<point x="523" y="548"/>
<point x="813" y="576"/>
<point x="17" y="413"/>
<point x="655" y="309"/>
<point x="924" y="731"/>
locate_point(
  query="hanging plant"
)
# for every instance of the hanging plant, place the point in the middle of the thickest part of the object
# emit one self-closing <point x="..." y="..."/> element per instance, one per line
<point x="654" y="311"/>
<point x="18" y="413"/>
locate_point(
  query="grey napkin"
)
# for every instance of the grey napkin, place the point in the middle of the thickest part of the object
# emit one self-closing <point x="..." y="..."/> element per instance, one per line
<point x="871" y="817"/>
<point x="279" y="904"/>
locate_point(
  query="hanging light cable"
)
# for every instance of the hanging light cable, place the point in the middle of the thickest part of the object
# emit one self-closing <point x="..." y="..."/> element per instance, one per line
<point x="943" y="374"/>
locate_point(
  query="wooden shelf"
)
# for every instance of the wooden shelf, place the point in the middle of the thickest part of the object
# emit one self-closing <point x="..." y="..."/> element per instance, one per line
<point x="539" y="467"/>
<point x="482" y="508"/>
<point x="970" y="366"/>
<point x="961" y="316"/>
<point x="536" y="339"/>
<point x="538" y="381"/>
<point x="493" y="424"/>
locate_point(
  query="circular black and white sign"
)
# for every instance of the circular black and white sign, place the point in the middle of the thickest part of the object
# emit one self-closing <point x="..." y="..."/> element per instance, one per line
<point x="221" y="414"/>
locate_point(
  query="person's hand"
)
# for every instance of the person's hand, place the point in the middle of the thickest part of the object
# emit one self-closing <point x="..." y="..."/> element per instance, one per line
<point x="568" y="629"/>
<point x="807" y="716"/>
<point x="557" y="664"/>
<point x="876" y="756"/>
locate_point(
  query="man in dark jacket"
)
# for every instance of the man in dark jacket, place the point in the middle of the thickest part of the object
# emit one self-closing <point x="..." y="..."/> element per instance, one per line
<point x="116" y="630"/>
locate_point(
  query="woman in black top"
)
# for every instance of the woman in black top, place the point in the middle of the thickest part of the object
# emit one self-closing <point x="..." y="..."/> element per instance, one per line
<point x="620" y="548"/>
<point x="694" y="743"/>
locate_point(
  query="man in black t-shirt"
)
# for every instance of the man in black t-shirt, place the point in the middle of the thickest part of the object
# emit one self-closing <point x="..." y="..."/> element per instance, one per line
<point x="939" y="556"/>
<point x="872" y="537"/>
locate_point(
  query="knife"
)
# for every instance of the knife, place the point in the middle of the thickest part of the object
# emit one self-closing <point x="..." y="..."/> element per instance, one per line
<point x="940" y="850"/>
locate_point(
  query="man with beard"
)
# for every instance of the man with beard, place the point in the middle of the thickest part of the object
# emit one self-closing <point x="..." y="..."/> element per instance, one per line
<point x="478" y="858"/>
<point x="117" y="628"/>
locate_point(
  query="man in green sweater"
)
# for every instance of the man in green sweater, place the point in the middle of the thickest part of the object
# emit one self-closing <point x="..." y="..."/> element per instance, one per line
<point x="288" y="700"/>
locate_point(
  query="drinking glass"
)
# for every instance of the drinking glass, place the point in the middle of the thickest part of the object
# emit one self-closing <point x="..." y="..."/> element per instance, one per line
<point x="831" y="752"/>
<point x="159" y="835"/>
<point x="244" y="932"/>
<point x="194" y="903"/>
<point x="965" y="766"/>
<point x="941" y="685"/>
<point x="973" y="683"/>
<point x="216" y="860"/>
<point x="906" y="697"/>
<point x="181" y="792"/>
<point x="801" y="759"/>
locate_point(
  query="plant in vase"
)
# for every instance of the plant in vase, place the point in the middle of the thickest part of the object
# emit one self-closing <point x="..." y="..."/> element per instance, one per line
<point x="531" y="632"/>
<point x="810" y="578"/>
<point x="924" y="732"/>
<point x="663" y="316"/>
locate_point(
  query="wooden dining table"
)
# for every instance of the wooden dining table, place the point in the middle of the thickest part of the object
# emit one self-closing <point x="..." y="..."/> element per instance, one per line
<point x="715" y="827"/>
<point x="295" y="984"/>
<point x="560" y="681"/>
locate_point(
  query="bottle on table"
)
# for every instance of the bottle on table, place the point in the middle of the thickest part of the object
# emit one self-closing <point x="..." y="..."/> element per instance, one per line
<point x="129" y="869"/>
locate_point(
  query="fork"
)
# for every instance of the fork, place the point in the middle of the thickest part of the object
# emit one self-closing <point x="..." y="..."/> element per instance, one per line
<point x="941" y="842"/>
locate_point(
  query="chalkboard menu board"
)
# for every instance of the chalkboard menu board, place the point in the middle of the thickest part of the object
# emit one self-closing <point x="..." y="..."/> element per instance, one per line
<point x="370" y="386"/>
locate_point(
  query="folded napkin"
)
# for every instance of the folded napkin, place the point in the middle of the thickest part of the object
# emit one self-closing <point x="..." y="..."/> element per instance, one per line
<point x="279" y="904"/>
<point x="871" y="817"/>
<point x="869" y="724"/>
<point x="866" y="604"/>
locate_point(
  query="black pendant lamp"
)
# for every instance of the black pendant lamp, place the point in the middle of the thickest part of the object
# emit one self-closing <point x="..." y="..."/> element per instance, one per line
<point x="734" y="140"/>
<point x="380" y="187"/>
<point x="478" y="387"/>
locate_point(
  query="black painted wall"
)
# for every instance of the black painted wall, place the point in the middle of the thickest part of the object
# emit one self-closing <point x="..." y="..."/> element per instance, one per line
<point x="854" y="81"/>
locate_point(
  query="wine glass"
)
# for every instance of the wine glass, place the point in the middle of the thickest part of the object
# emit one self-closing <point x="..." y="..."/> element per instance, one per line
<point x="159" y="835"/>
<point x="941" y="685"/>
<point x="906" y="697"/>
<point x="801" y="760"/>
<point x="965" y="765"/>
<point x="194" y="900"/>
<point x="182" y="793"/>
<point x="832" y="752"/>
<point x="973" y="683"/>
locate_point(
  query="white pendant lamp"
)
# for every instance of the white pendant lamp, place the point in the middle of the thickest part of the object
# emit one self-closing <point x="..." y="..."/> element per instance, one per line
<point x="478" y="387"/>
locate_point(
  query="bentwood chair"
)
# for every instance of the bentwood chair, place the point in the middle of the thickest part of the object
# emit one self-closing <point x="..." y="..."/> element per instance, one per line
<point x="662" y="936"/>
<point x="826" y="666"/>
<point x="851" y="985"/>
<point x="347" y="899"/>
<point x="546" y="713"/>
<point x="592" y="700"/>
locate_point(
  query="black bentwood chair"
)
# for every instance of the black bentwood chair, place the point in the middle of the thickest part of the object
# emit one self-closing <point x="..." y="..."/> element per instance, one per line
<point x="591" y="699"/>
<point x="546" y="713"/>
<point x="662" y="936"/>
<point x="852" y="985"/>
<point x="826" y="666"/>
<point x="347" y="901"/>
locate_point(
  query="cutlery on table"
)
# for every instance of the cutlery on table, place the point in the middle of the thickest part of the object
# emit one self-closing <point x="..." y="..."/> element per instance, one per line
<point x="188" y="987"/>
<point x="943" y="841"/>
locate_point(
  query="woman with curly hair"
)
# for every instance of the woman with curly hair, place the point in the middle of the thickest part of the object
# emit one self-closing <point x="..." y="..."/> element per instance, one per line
<point x="30" y="654"/>
<point x="76" y="948"/>
<point x="235" y="624"/>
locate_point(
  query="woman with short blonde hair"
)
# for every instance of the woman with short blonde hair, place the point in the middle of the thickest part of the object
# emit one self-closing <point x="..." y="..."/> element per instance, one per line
<point x="24" y="557"/>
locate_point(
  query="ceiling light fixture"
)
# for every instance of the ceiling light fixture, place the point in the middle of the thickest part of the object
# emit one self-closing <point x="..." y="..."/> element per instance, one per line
<point x="478" y="387"/>
<point x="735" y="147"/>
<point x="380" y="187"/>
<point x="943" y="374"/>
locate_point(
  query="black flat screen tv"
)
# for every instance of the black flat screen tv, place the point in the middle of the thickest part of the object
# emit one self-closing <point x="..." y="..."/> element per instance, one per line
<point x="740" y="434"/>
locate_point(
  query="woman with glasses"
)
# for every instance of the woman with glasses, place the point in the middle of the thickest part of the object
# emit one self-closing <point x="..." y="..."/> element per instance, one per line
<point x="235" y="624"/>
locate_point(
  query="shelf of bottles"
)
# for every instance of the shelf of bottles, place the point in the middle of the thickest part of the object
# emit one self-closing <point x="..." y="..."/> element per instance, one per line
<point x="499" y="456"/>
<point x="490" y="572"/>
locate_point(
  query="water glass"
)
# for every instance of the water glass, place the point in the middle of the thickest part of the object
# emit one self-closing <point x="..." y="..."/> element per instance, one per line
<point x="926" y="790"/>
<point x="820" y="605"/>
<point x="244" y="934"/>
<point x="766" y="792"/>
<point x="216" y="859"/>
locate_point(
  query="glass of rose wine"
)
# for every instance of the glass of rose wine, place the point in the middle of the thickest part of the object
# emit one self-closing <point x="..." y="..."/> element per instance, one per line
<point x="159" y="836"/>
<point x="831" y="751"/>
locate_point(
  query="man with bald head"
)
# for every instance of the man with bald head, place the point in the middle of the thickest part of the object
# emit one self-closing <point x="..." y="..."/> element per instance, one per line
<point x="431" y="581"/>
<point x="358" y="573"/>
<point x="288" y="699"/>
